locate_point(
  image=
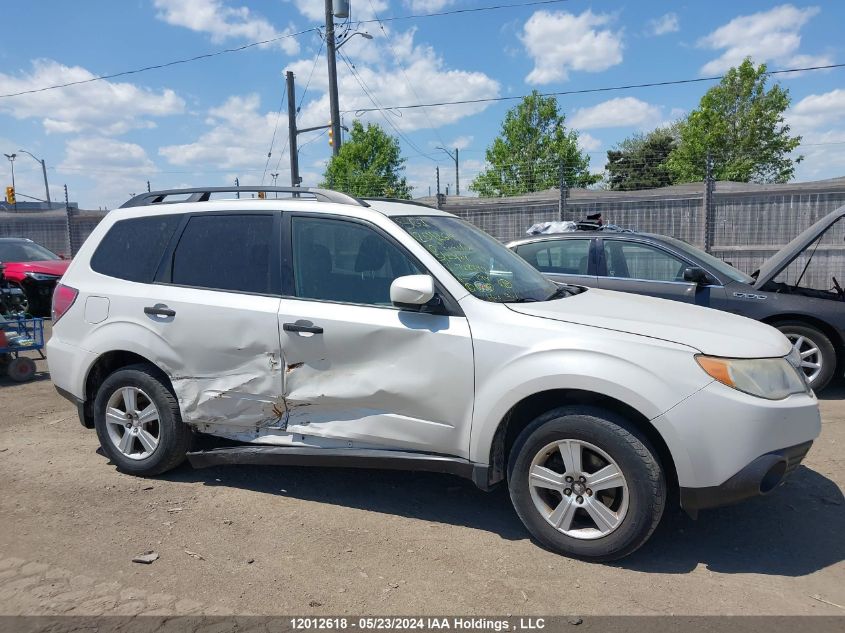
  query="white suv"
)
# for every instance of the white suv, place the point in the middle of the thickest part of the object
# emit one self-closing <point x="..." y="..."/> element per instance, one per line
<point x="325" y="330"/>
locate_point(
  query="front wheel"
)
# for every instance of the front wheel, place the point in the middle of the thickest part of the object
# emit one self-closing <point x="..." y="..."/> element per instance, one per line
<point x="138" y="422"/>
<point x="586" y="484"/>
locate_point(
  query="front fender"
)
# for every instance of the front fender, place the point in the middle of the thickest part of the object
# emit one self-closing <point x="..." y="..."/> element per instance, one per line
<point x="663" y="375"/>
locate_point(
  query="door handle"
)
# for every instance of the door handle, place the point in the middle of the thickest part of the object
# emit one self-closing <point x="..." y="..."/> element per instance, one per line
<point x="159" y="310"/>
<point x="302" y="327"/>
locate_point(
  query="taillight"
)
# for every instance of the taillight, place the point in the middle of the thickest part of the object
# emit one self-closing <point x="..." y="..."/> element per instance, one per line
<point x="63" y="298"/>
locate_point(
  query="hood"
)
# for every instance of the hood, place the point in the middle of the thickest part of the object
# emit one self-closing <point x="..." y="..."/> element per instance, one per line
<point x="708" y="331"/>
<point x="780" y="260"/>
<point x="48" y="267"/>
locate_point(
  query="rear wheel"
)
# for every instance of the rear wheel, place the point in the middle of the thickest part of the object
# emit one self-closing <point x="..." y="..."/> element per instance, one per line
<point x="138" y="422"/>
<point x="586" y="484"/>
<point x="818" y="356"/>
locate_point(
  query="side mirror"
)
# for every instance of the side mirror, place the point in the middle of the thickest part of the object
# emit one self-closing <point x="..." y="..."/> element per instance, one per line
<point x="696" y="275"/>
<point x="412" y="291"/>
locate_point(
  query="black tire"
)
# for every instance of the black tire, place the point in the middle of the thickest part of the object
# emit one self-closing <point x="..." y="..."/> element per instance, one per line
<point x="175" y="436"/>
<point x="638" y="461"/>
<point x="820" y="340"/>
<point x="21" y="369"/>
<point x="25" y="304"/>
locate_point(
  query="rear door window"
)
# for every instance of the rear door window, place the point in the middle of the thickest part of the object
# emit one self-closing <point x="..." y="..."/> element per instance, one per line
<point x="564" y="257"/>
<point x="226" y="252"/>
<point x="132" y="249"/>
<point x="631" y="260"/>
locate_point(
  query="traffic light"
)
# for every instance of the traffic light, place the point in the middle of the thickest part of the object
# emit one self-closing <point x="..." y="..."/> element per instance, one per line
<point x="331" y="133"/>
<point x="10" y="195"/>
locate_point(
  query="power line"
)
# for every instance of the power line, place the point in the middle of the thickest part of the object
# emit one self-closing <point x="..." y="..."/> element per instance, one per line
<point x="493" y="7"/>
<point x="273" y="139"/>
<point x="378" y="107"/>
<point x="651" y="84"/>
<point x="175" y="62"/>
<point x="404" y="74"/>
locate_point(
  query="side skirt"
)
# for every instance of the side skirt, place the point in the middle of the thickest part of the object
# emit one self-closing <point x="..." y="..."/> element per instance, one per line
<point x="343" y="458"/>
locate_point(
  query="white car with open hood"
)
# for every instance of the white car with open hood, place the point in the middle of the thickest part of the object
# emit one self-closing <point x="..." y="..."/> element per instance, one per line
<point x="321" y="329"/>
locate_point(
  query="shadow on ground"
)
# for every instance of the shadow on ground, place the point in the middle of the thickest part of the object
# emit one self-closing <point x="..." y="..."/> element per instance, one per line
<point x="795" y="531"/>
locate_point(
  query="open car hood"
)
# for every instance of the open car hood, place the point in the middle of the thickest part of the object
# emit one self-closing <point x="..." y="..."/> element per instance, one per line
<point x="780" y="260"/>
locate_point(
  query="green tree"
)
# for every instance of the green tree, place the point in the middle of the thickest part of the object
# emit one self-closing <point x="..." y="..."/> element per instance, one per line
<point x="528" y="153"/>
<point x="369" y="164"/>
<point x="639" y="162"/>
<point x="741" y="124"/>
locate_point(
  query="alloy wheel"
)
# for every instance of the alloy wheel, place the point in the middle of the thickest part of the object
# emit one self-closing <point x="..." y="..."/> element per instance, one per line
<point x="811" y="357"/>
<point x="132" y="422"/>
<point x="578" y="488"/>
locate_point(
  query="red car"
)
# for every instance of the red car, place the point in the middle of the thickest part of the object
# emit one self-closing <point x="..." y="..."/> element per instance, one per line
<point x="32" y="268"/>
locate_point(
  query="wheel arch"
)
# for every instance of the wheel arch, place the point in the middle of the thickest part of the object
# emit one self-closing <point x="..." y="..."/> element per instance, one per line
<point x="107" y="363"/>
<point x="521" y="414"/>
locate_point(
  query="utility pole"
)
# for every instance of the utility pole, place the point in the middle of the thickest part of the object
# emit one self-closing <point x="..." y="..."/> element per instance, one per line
<point x="564" y="192"/>
<point x="43" y="171"/>
<point x="69" y="226"/>
<point x="455" y="157"/>
<point x="332" y="60"/>
<point x="437" y="171"/>
<point x="148" y="186"/>
<point x="238" y="184"/>
<point x="294" y="151"/>
<point x="709" y="188"/>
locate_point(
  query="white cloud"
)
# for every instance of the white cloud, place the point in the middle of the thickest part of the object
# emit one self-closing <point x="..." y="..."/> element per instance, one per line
<point x="559" y="42"/>
<point x="224" y="23"/>
<point x="116" y="168"/>
<point x="767" y="36"/>
<point x="103" y="106"/>
<point x="397" y="73"/>
<point x="238" y="137"/>
<point x="618" y="112"/>
<point x="667" y="23"/>
<point x="588" y="143"/>
<point x="819" y="110"/>
<point x="462" y="142"/>
<point x="428" y="6"/>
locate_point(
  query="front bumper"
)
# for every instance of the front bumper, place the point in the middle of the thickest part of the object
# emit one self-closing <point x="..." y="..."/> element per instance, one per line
<point x="760" y="477"/>
<point x="718" y="431"/>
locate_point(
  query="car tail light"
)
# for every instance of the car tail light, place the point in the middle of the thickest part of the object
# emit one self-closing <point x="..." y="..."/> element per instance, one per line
<point x="63" y="298"/>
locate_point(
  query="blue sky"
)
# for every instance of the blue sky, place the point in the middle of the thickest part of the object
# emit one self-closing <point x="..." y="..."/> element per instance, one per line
<point x="208" y="122"/>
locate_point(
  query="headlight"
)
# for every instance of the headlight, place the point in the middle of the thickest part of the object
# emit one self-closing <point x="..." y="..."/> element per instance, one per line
<point x="41" y="276"/>
<point x="770" y="378"/>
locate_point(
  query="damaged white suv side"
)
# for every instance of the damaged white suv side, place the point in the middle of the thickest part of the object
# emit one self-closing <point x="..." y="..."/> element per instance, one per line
<point x="325" y="330"/>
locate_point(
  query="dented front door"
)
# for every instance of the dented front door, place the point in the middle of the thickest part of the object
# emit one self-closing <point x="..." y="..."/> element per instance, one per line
<point x="358" y="371"/>
<point x="377" y="377"/>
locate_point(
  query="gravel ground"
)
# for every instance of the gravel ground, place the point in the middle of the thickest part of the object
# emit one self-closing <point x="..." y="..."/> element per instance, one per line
<point x="262" y="540"/>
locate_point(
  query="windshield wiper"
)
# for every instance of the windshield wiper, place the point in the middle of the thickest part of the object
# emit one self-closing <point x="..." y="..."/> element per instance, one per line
<point x="562" y="291"/>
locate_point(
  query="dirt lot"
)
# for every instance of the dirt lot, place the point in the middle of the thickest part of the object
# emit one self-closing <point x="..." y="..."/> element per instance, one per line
<point x="255" y="540"/>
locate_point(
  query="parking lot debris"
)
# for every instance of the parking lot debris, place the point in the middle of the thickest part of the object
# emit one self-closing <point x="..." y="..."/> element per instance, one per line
<point x="147" y="558"/>
<point x="194" y="555"/>
<point x="816" y="596"/>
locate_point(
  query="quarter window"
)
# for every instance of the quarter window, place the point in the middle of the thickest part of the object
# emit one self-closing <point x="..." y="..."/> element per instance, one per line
<point x="641" y="261"/>
<point x="564" y="257"/>
<point x="337" y="260"/>
<point x="225" y="252"/>
<point x="132" y="249"/>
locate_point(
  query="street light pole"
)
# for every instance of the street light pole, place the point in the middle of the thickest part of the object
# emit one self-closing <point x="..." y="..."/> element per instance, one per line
<point x="332" y="60"/>
<point x="454" y="157"/>
<point x="44" y="171"/>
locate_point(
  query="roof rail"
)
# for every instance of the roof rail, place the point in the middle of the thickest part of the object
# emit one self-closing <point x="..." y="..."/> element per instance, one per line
<point x="203" y="194"/>
<point x="416" y="203"/>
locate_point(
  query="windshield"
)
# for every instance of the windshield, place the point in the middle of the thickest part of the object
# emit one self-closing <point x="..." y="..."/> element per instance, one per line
<point x="483" y="265"/>
<point x="25" y="252"/>
<point x="709" y="260"/>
